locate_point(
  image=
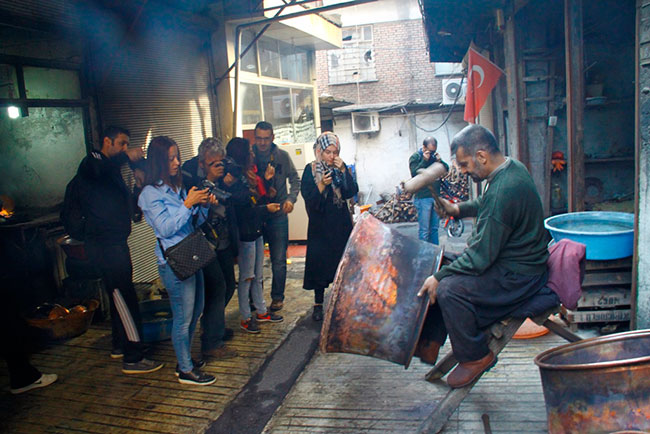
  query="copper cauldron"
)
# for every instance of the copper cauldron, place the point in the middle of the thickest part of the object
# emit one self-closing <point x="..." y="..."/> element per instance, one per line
<point x="374" y="309"/>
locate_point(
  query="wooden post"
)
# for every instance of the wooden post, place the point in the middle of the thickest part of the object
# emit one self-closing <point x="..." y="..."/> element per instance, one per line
<point x="515" y="134"/>
<point x="575" y="100"/>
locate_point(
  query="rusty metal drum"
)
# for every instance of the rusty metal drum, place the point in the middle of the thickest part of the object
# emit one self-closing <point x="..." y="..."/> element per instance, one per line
<point x="598" y="385"/>
<point x="374" y="309"/>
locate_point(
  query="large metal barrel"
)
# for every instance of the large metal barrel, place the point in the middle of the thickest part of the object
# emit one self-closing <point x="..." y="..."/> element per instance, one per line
<point x="374" y="309"/>
<point x="598" y="385"/>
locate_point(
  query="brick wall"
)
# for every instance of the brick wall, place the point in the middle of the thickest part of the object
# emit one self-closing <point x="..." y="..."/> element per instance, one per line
<point x="404" y="72"/>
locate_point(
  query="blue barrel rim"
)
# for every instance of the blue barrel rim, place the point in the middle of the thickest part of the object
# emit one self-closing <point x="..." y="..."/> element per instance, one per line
<point x="598" y="340"/>
<point x="626" y="215"/>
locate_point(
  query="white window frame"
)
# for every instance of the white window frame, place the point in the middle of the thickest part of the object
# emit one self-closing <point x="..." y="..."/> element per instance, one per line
<point x="356" y="60"/>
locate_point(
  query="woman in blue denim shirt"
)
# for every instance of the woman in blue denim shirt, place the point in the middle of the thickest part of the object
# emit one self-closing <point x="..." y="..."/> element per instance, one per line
<point x="169" y="210"/>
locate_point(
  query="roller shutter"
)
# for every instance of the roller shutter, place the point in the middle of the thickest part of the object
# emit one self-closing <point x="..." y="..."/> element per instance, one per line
<point x="154" y="82"/>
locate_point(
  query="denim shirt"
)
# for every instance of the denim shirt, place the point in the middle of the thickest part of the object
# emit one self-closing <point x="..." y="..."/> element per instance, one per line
<point x="166" y="213"/>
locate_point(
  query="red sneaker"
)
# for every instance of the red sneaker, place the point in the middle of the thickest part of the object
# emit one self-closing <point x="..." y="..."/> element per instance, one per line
<point x="269" y="317"/>
<point x="249" y="325"/>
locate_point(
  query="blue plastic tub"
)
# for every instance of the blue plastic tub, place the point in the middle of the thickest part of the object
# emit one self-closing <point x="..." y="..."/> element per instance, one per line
<point x="156" y="320"/>
<point x="607" y="235"/>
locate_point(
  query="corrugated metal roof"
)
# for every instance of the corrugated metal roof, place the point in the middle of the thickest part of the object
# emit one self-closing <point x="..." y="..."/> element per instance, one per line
<point x="388" y="106"/>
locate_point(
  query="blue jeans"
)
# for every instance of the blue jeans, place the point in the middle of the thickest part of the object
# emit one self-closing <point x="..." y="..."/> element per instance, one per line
<point x="428" y="220"/>
<point x="186" y="298"/>
<point x="276" y="233"/>
<point x="251" y="262"/>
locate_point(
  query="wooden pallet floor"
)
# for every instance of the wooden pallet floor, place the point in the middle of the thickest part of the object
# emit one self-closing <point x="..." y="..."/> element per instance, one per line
<point x="343" y="393"/>
<point x="93" y="396"/>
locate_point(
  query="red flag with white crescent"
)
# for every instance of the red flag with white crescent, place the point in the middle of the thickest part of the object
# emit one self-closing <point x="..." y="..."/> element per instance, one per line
<point x="482" y="76"/>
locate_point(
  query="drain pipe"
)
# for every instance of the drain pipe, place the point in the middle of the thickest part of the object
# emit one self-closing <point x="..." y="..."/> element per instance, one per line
<point x="267" y="22"/>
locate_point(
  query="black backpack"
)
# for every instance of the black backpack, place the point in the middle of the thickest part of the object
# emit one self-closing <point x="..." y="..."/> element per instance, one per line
<point x="72" y="215"/>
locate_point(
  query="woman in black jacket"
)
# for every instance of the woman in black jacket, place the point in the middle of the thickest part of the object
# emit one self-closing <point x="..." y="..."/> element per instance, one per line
<point x="251" y="201"/>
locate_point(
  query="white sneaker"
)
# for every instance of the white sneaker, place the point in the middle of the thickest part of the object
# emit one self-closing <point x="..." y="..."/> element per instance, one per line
<point x="45" y="380"/>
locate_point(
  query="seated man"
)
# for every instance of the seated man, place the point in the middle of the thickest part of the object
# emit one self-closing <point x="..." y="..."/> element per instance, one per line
<point x="502" y="268"/>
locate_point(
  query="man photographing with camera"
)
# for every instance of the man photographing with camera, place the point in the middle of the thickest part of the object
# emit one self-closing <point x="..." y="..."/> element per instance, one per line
<point x="213" y="170"/>
<point x="106" y="206"/>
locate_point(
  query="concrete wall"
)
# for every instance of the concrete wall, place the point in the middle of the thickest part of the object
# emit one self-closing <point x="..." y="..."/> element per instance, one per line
<point x="39" y="154"/>
<point x="381" y="159"/>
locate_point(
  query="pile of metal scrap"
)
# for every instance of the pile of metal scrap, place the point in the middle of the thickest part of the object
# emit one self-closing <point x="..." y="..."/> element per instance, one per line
<point x="398" y="209"/>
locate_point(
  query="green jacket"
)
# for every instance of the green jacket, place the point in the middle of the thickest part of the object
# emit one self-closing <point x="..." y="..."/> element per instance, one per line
<point x="509" y="229"/>
<point x="416" y="162"/>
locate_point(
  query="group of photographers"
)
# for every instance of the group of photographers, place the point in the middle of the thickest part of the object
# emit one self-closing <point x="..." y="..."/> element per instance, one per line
<point x="240" y="196"/>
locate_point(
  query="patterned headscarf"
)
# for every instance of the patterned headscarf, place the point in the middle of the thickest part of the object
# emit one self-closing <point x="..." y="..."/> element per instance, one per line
<point x="319" y="167"/>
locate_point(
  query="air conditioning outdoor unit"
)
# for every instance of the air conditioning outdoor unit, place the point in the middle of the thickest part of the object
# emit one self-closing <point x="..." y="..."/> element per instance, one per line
<point x="451" y="88"/>
<point x="365" y="122"/>
<point x="282" y="105"/>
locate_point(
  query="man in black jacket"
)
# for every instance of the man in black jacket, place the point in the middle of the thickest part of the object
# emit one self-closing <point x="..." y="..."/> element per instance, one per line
<point x="106" y="205"/>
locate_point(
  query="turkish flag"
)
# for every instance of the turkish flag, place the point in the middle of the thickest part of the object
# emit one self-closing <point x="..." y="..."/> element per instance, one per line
<point x="482" y="76"/>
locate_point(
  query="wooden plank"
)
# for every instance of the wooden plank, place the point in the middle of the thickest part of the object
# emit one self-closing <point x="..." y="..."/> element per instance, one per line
<point x="604" y="298"/>
<point x="448" y="405"/>
<point x="615" y="278"/>
<point x="593" y="316"/>
<point x="624" y="263"/>
<point x="575" y="102"/>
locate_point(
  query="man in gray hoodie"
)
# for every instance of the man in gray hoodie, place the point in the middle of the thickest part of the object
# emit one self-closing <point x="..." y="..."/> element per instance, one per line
<point x="275" y="162"/>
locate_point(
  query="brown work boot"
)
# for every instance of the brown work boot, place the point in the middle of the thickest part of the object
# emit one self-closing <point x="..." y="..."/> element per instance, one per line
<point x="220" y="353"/>
<point x="467" y="372"/>
<point x="276" y="305"/>
<point x="427" y="351"/>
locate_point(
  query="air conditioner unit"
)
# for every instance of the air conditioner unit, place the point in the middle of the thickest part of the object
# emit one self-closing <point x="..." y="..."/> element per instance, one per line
<point x="365" y="122"/>
<point x="282" y="105"/>
<point x="451" y="88"/>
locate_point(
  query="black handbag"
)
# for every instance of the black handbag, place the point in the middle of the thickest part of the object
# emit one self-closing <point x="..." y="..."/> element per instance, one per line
<point x="189" y="255"/>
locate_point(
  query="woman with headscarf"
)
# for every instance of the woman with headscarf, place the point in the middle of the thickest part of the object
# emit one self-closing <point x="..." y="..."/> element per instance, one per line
<point x="326" y="186"/>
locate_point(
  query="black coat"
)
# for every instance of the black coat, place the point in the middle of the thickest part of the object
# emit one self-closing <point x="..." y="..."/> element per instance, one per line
<point x="105" y="200"/>
<point x="328" y="230"/>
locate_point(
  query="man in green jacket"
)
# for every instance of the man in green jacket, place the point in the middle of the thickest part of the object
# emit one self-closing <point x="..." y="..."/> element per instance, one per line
<point x="503" y="266"/>
<point x="428" y="220"/>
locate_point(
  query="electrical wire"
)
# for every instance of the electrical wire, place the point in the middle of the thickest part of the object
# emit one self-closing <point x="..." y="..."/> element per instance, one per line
<point x="451" y="109"/>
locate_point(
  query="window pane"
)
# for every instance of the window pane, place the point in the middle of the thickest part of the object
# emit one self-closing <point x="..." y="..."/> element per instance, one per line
<point x="277" y="111"/>
<point x="39" y="154"/>
<point x="8" y="82"/>
<point x="303" y="115"/>
<point x="269" y="58"/>
<point x="249" y="61"/>
<point x="48" y="83"/>
<point x="250" y="98"/>
<point x="295" y="63"/>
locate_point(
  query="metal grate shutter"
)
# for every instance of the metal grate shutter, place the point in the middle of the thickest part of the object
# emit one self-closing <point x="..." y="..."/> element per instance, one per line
<point x="60" y="12"/>
<point x="156" y="83"/>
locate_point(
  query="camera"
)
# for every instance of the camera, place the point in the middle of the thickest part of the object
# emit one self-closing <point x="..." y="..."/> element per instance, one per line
<point x="220" y="194"/>
<point x="337" y="177"/>
<point x="231" y="167"/>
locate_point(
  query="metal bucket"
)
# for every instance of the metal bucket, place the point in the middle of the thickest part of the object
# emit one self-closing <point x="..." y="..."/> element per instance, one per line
<point x="598" y="385"/>
<point x="374" y="309"/>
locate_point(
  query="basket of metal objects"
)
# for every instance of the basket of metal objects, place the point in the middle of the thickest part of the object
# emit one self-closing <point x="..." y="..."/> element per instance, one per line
<point x="57" y="322"/>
